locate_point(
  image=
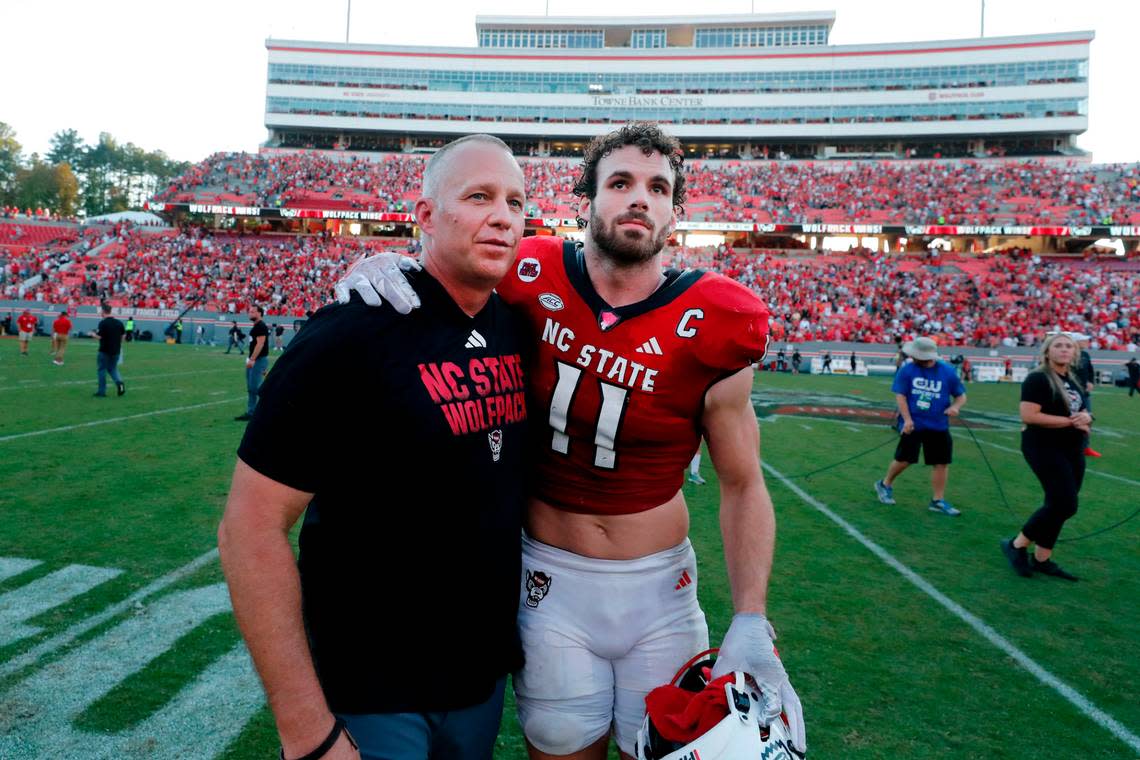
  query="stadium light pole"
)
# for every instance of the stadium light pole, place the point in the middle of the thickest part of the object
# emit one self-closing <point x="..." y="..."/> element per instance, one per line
<point x="983" y="34"/>
<point x="347" y="21"/>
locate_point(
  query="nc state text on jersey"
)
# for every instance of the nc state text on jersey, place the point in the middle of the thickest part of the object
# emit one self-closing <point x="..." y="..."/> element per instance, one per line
<point x="620" y="370"/>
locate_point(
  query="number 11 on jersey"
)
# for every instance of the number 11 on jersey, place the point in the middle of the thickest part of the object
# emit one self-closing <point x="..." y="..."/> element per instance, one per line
<point x="609" y="415"/>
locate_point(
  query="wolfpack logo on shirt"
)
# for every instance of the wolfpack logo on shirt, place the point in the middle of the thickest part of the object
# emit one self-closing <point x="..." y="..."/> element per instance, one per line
<point x="484" y="393"/>
<point x="537" y="587"/>
<point x="529" y="270"/>
<point x="495" y="439"/>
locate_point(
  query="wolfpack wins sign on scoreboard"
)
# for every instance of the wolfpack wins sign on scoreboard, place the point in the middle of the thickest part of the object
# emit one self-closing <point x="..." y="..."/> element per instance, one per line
<point x="764" y="228"/>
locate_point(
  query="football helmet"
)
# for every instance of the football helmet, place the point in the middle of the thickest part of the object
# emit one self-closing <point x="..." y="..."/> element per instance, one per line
<point x="741" y="735"/>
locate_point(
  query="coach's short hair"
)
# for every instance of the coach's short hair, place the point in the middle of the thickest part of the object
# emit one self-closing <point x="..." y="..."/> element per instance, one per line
<point x="437" y="164"/>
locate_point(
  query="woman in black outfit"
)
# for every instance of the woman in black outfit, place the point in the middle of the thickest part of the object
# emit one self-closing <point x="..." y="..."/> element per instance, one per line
<point x="1056" y="421"/>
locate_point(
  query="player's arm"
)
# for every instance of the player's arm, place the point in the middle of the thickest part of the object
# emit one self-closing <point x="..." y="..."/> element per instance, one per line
<point x="748" y="526"/>
<point x="747" y="519"/>
<point x="265" y="588"/>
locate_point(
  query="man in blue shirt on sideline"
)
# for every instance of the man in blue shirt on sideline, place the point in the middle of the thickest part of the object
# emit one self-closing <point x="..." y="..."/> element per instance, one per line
<point x="928" y="393"/>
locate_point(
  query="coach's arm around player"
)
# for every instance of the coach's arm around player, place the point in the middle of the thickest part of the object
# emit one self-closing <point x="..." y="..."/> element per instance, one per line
<point x="748" y="528"/>
<point x="265" y="588"/>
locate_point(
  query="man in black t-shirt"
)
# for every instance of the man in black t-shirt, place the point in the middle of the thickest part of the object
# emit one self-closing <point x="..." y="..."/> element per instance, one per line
<point x="110" y="334"/>
<point x="1086" y="375"/>
<point x="236" y="337"/>
<point x="258" y="362"/>
<point x="402" y="619"/>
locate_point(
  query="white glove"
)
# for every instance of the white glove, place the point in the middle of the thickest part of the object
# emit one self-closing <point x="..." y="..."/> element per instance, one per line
<point x="748" y="647"/>
<point x="381" y="278"/>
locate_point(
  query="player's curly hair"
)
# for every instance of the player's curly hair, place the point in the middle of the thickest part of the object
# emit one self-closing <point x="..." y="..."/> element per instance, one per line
<point x="645" y="135"/>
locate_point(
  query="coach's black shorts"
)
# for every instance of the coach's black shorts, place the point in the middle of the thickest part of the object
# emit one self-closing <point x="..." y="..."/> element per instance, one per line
<point x="937" y="447"/>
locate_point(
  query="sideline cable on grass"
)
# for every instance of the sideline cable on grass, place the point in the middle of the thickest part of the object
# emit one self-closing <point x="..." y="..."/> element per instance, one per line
<point x="892" y="439"/>
<point x="997" y="482"/>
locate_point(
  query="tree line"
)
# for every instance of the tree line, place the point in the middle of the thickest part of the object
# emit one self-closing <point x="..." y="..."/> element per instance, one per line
<point x="74" y="177"/>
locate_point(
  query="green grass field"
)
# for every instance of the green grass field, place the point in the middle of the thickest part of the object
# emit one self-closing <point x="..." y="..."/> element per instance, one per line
<point x="116" y="638"/>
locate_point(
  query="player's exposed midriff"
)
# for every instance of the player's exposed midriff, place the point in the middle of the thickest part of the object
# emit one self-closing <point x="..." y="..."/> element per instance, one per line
<point x="610" y="536"/>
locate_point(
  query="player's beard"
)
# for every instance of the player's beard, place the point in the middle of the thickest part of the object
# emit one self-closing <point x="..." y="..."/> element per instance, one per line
<point x="627" y="250"/>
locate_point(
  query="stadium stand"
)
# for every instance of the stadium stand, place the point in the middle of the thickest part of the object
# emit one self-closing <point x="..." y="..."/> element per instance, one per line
<point x="990" y="191"/>
<point x="856" y="296"/>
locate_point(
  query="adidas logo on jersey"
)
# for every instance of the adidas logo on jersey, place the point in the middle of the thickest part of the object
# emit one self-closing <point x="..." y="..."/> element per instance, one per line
<point x="651" y="346"/>
<point x="683" y="581"/>
<point x="475" y="340"/>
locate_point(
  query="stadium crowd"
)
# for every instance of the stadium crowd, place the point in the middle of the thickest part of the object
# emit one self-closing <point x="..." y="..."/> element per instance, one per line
<point x="125" y="265"/>
<point x="856" y="296"/>
<point x="967" y="192"/>
<point x="979" y="301"/>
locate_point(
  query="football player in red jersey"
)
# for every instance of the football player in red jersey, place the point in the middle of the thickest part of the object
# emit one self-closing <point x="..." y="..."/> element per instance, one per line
<point x="634" y="365"/>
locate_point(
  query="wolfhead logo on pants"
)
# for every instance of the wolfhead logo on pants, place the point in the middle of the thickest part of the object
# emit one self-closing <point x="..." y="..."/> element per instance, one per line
<point x="537" y="586"/>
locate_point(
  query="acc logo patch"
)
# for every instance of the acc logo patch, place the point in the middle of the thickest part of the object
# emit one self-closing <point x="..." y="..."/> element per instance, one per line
<point x="529" y="270"/>
<point x="537" y="586"/>
<point x="551" y="302"/>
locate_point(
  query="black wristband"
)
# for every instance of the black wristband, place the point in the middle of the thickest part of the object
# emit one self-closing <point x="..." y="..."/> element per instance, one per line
<point x="323" y="748"/>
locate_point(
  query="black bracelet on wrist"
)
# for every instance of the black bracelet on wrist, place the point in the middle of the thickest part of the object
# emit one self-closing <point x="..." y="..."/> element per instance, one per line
<point x="322" y="749"/>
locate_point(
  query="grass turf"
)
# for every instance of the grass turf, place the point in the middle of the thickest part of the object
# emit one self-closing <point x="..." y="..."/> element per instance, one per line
<point x="138" y="483"/>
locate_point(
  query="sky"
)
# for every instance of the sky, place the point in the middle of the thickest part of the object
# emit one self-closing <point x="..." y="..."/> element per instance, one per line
<point x="189" y="78"/>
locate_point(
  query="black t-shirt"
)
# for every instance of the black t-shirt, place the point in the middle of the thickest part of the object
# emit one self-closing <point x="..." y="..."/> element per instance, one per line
<point x="259" y="329"/>
<point x="410" y="431"/>
<point x="1037" y="389"/>
<point x="110" y="331"/>
<point x="1083" y="368"/>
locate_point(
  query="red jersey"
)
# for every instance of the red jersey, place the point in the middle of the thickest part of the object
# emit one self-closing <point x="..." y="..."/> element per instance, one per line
<point x="26" y="322"/>
<point x="617" y="393"/>
<point x="61" y="326"/>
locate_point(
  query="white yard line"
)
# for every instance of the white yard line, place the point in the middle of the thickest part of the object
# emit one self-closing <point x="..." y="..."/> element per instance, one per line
<point x="66" y="637"/>
<point x="1075" y="698"/>
<point x="131" y="378"/>
<point x="65" y="428"/>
